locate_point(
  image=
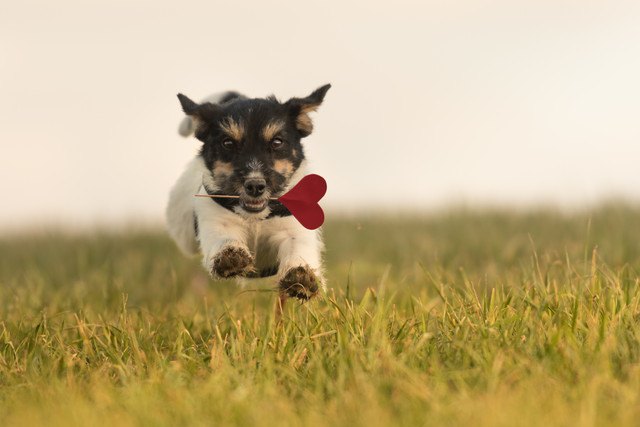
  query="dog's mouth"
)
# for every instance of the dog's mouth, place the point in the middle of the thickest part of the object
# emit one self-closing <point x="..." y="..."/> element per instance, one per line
<point x="253" y="205"/>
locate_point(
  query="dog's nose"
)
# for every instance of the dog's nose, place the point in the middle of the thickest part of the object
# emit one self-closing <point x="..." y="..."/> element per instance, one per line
<point x="255" y="187"/>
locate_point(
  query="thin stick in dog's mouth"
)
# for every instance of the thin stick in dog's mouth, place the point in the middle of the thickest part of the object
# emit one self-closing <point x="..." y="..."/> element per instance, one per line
<point x="225" y="196"/>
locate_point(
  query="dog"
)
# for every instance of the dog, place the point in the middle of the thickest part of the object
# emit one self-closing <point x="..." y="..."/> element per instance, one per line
<point x="251" y="147"/>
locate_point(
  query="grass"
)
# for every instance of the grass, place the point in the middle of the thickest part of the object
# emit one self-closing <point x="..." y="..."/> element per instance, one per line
<point x="460" y="318"/>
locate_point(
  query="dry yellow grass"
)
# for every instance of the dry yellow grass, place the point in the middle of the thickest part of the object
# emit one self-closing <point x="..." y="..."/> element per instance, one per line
<point x="460" y="318"/>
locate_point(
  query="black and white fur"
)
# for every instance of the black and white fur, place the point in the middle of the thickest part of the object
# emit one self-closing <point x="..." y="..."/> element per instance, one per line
<point x="251" y="148"/>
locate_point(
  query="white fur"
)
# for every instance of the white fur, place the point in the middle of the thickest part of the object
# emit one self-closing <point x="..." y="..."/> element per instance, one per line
<point x="180" y="210"/>
<point x="280" y="240"/>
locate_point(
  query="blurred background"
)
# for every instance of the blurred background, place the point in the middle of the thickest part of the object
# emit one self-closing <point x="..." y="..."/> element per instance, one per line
<point x="434" y="103"/>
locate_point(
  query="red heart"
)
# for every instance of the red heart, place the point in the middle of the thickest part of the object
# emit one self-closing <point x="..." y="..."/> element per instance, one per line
<point x="302" y="201"/>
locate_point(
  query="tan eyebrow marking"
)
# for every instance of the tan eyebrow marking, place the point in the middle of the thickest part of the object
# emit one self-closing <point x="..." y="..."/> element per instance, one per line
<point x="232" y="128"/>
<point x="271" y="129"/>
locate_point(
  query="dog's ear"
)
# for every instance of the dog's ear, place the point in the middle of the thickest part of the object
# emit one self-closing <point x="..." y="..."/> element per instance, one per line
<point x="201" y="115"/>
<point x="301" y="107"/>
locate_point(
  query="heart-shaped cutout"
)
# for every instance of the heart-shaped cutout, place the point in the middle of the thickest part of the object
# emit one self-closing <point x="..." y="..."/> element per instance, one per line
<point x="302" y="201"/>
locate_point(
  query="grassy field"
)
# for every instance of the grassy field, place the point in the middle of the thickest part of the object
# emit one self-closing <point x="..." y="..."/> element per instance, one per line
<point x="459" y="318"/>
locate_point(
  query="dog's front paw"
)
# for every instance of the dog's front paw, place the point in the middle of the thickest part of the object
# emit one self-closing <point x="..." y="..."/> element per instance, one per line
<point x="232" y="261"/>
<point x="299" y="282"/>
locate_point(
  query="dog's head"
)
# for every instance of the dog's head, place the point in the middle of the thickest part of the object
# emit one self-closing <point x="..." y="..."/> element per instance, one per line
<point x="252" y="146"/>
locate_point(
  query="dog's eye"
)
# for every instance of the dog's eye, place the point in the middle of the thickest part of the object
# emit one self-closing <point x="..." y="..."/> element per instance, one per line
<point x="277" y="143"/>
<point x="228" y="144"/>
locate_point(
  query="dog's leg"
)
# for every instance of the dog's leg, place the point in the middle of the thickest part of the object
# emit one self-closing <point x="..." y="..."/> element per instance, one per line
<point x="232" y="259"/>
<point x="222" y="238"/>
<point x="300" y="260"/>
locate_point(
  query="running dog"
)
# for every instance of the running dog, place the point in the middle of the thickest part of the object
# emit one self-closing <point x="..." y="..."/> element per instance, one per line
<point x="250" y="148"/>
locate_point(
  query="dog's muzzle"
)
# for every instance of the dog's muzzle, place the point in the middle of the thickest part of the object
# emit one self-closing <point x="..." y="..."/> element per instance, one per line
<point x="255" y="187"/>
<point x="254" y="200"/>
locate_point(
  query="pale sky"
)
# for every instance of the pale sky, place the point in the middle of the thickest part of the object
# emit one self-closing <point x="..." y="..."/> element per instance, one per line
<point x="510" y="103"/>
